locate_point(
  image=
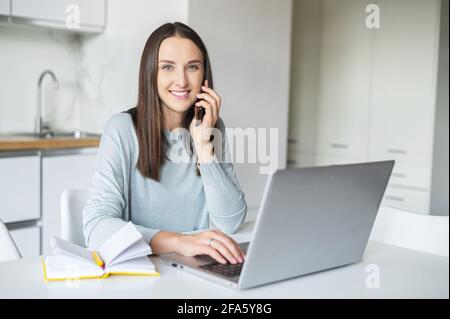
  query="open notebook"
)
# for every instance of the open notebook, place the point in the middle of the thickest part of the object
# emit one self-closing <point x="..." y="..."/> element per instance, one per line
<point x="124" y="253"/>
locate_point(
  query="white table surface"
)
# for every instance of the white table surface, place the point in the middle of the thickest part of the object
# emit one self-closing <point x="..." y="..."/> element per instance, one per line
<point x="403" y="273"/>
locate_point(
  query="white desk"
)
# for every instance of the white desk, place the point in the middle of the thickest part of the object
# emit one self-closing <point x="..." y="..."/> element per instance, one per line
<point x="403" y="274"/>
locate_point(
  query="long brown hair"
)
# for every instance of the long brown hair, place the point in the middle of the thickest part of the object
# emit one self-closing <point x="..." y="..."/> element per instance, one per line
<point x="148" y="117"/>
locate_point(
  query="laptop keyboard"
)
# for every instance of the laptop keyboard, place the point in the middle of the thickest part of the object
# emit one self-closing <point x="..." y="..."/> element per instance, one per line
<point x="228" y="270"/>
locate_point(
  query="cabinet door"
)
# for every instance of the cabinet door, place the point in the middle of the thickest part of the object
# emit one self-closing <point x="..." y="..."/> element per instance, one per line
<point x="404" y="81"/>
<point x="414" y="176"/>
<point x="4" y="7"/>
<point x="58" y="174"/>
<point x="304" y="75"/>
<point x="344" y="90"/>
<point x="409" y="200"/>
<point x="322" y="160"/>
<point x="27" y="240"/>
<point x="91" y="12"/>
<point x="19" y="188"/>
<point x="300" y="159"/>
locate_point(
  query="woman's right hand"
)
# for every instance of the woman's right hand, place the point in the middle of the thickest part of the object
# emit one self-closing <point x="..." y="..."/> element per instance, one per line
<point x="213" y="243"/>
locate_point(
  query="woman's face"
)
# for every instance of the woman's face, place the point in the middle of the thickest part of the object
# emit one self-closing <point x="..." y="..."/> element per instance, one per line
<point x="180" y="73"/>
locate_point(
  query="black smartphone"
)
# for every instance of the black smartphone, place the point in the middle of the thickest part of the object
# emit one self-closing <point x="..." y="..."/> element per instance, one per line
<point x="201" y="111"/>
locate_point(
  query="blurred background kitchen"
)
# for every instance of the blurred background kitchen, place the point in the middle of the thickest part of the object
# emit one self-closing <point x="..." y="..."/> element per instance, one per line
<point x="344" y="81"/>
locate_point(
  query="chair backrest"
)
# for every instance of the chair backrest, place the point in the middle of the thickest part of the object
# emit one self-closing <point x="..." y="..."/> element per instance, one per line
<point x="8" y="249"/>
<point x="72" y="205"/>
<point x="426" y="233"/>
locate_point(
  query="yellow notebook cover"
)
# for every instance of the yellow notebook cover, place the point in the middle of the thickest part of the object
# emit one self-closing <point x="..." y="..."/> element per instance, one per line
<point x="105" y="275"/>
<point x="124" y="253"/>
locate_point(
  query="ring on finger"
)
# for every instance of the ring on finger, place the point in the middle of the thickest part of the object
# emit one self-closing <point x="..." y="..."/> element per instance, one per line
<point x="210" y="241"/>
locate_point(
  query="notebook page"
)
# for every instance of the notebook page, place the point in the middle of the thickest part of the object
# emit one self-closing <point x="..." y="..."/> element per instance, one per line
<point x="119" y="242"/>
<point x="140" y="265"/>
<point x="65" y="248"/>
<point x="138" y="249"/>
<point x="62" y="267"/>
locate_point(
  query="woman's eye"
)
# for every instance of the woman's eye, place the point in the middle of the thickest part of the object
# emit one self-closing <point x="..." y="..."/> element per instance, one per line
<point x="169" y="67"/>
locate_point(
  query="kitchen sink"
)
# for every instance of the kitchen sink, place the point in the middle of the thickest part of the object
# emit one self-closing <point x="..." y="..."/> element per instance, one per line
<point x="53" y="134"/>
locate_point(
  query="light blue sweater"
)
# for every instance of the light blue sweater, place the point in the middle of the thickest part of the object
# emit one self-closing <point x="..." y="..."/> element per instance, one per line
<point x="180" y="202"/>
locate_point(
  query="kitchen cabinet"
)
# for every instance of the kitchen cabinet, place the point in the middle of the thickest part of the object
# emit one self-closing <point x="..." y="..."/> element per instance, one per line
<point x="31" y="185"/>
<point x="5" y="7"/>
<point x="303" y="111"/>
<point x="404" y="103"/>
<point x="71" y="15"/>
<point x="375" y="96"/>
<point x="407" y="199"/>
<point x="330" y="89"/>
<point x="344" y="75"/>
<point x="404" y="82"/>
<point x="20" y="187"/>
<point x="61" y="172"/>
<point x="299" y="158"/>
<point x="337" y="160"/>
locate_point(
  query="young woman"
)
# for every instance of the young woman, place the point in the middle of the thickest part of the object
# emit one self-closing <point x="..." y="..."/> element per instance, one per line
<point x="136" y="178"/>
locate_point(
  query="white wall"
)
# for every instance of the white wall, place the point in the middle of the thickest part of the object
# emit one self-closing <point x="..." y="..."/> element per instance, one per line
<point x="249" y="46"/>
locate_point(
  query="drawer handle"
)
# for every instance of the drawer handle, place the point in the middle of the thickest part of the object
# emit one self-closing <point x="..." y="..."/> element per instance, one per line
<point x="292" y="141"/>
<point x="292" y="162"/>
<point x="396" y="151"/>
<point x="338" y="145"/>
<point x="395" y="198"/>
<point x="399" y="175"/>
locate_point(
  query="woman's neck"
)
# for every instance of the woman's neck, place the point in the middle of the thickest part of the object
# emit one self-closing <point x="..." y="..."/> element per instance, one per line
<point x="172" y="119"/>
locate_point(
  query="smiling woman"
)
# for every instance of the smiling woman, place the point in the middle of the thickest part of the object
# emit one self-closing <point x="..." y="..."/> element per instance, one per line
<point x="174" y="65"/>
<point x="136" y="178"/>
<point x="170" y="68"/>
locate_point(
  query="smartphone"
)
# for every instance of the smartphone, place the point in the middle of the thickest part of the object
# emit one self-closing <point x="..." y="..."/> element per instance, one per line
<point x="201" y="112"/>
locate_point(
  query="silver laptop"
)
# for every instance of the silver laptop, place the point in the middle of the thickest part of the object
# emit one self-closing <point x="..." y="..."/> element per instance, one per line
<point x="310" y="220"/>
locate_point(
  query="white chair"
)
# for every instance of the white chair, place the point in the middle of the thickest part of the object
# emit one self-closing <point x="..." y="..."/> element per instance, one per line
<point x="8" y="249"/>
<point x="426" y="233"/>
<point x="72" y="205"/>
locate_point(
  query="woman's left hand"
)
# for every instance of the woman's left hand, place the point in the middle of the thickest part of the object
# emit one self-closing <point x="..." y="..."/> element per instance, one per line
<point x="211" y="102"/>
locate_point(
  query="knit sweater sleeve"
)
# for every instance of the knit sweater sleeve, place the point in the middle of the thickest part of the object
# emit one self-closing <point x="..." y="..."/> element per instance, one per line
<point x="103" y="214"/>
<point x="225" y="199"/>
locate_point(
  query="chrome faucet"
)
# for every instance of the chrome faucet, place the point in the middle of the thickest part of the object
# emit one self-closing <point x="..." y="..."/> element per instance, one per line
<point x="39" y="123"/>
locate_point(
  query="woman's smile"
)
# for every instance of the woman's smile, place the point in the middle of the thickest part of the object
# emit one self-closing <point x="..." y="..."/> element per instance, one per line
<point x="180" y="95"/>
